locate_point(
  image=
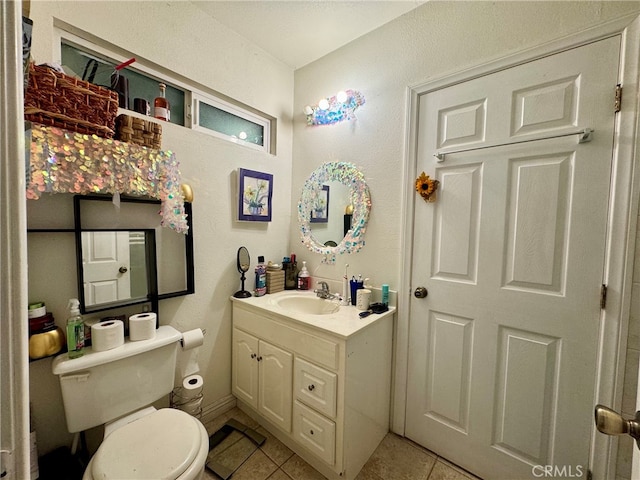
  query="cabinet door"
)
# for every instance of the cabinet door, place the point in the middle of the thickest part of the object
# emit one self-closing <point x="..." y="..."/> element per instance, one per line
<point x="276" y="385"/>
<point x="244" y="377"/>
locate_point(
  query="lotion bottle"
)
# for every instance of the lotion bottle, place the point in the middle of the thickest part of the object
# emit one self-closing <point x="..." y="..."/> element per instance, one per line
<point x="304" y="278"/>
<point x="261" y="277"/>
<point x="75" y="330"/>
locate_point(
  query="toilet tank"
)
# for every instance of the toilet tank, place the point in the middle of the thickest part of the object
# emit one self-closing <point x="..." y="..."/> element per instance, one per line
<point x="102" y="386"/>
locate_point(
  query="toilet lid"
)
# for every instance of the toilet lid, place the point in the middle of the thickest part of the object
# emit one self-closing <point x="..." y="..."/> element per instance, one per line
<point x="161" y="445"/>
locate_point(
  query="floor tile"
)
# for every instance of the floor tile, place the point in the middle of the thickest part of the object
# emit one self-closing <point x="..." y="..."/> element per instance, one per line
<point x="235" y="413"/>
<point x="298" y="469"/>
<point x="274" y="448"/>
<point x="257" y="467"/>
<point x="367" y="473"/>
<point x="445" y="471"/>
<point x="399" y="460"/>
<point x="279" y="475"/>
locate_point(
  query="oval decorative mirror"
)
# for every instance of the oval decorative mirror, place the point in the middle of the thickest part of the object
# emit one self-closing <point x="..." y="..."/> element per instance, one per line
<point x="242" y="262"/>
<point x="335" y="201"/>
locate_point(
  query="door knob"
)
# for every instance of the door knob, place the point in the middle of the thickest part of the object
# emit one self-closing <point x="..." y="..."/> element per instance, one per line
<point x="420" y="292"/>
<point x="123" y="269"/>
<point x="612" y="423"/>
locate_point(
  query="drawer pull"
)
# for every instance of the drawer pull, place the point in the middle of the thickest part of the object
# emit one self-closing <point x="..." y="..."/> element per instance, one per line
<point x="311" y="387"/>
<point x="311" y="432"/>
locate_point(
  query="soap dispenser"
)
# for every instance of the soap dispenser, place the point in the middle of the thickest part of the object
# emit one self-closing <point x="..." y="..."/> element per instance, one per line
<point x="304" y="279"/>
<point x="75" y="330"/>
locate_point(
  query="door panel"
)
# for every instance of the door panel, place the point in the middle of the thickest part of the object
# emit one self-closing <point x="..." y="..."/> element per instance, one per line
<point x="244" y="383"/>
<point x="103" y="255"/>
<point x="503" y="351"/>
<point x="276" y="385"/>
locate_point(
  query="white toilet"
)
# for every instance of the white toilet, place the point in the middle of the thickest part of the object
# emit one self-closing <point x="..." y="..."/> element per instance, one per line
<point x="115" y="388"/>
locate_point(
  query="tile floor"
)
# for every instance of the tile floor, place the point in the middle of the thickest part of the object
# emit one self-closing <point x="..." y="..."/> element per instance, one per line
<point x="396" y="458"/>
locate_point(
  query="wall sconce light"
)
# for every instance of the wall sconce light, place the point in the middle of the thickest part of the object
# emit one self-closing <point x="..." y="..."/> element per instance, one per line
<point x="335" y="109"/>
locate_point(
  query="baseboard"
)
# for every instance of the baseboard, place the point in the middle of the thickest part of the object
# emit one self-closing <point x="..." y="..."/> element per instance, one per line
<point x="216" y="409"/>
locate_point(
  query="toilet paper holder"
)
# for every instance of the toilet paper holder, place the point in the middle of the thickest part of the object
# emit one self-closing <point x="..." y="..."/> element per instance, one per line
<point x="204" y="332"/>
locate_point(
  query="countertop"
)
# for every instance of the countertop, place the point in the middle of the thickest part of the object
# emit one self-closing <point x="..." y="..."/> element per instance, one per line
<point x="344" y="323"/>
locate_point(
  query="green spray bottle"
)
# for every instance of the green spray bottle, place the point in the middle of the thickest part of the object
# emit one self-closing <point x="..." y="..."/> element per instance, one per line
<point x="75" y="330"/>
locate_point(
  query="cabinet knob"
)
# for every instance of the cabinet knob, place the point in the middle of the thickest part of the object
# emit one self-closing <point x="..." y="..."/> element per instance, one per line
<point x="311" y="387"/>
<point x="253" y="355"/>
<point x="260" y="358"/>
<point x="311" y="432"/>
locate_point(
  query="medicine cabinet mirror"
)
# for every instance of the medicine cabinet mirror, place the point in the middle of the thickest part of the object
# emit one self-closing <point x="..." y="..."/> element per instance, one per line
<point x="124" y="256"/>
<point x="334" y="209"/>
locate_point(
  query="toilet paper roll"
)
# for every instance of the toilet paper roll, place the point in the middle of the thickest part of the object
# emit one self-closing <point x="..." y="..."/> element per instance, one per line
<point x="192" y="386"/>
<point x="107" y="335"/>
<point x="192" y="339"/>
<point x="142" y="326"/>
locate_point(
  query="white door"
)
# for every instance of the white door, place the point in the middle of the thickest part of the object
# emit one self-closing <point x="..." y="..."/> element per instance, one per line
<point x="503" y="350"/>
<point x="105" y="267"/>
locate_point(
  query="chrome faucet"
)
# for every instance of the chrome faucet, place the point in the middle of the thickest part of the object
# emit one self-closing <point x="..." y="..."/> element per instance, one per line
<point x="323" y="291"/>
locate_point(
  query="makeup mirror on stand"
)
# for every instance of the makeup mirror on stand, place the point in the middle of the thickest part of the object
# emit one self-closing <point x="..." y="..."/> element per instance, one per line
<point x="243" y="262"/>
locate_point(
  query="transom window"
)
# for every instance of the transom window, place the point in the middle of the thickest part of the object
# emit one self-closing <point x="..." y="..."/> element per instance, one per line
<point x="190" y="107"/>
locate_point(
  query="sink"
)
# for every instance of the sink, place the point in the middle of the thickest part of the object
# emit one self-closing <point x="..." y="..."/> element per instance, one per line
<point x="307" y="305"/>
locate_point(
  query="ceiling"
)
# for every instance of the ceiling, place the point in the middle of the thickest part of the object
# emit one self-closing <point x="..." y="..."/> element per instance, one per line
<point x="297" y="32"/>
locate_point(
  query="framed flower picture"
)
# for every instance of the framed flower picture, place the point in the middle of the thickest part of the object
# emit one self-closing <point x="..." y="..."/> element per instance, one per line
<point x="254" y="199"/>
<point x="320" y="206"/>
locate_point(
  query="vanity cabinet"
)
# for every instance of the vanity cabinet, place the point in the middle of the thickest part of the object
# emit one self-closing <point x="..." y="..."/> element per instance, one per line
<point x="323" y="393"/>
<point x="262" y="377"/>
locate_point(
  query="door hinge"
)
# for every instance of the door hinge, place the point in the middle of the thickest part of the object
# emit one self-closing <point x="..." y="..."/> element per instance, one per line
<point x="617" y="104"/>
<point x="603" y="296"/>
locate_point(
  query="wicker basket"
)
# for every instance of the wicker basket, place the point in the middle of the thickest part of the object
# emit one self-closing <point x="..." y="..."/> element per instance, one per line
<point x="138" y="130"/>
<point x="58" y="100"/>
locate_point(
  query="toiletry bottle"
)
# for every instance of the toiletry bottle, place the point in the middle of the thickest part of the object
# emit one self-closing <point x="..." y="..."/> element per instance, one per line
<point x="161" y="107"/>
<point x="261" y="277"/>
<point x="75" y="330"/>
<point x="385" y="294"/>
<point x="291" y="273"/>
<point x="304" y="279"/>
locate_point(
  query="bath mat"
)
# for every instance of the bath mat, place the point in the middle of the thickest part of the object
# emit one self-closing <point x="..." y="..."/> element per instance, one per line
<point x="230" y="447"/>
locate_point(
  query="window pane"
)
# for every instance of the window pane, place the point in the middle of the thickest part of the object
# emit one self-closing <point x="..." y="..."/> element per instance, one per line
<point x="96" y="69"/>
<point x="229" y="124"/>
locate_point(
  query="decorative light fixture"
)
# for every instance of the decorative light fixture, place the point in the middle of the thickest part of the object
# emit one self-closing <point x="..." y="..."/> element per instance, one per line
<point x="334" y="109"/>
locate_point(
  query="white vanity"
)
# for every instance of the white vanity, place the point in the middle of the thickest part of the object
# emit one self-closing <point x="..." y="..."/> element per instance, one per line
<point x="319" y="382"/>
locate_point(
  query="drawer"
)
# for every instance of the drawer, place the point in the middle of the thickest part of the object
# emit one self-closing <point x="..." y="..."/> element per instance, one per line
<point x="315" y="386"/>
<point x="315" y="432"/>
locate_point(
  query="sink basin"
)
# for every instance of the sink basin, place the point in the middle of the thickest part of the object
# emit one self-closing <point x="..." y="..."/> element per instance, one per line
<point x="307" y="305"/>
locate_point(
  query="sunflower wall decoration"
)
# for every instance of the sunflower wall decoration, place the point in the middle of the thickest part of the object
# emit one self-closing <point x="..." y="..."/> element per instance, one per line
<point x="427" y="187"/>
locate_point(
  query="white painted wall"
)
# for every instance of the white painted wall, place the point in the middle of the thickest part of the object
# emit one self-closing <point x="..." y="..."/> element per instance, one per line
<point x="182" y="39"/>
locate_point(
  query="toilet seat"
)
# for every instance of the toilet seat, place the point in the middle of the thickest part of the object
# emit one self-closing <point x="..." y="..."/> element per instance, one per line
<point x="161" y="445"/>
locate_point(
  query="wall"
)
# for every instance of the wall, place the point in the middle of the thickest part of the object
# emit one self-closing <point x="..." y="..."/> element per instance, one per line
<point x="176" y="37"/>
<point x="434" y="40"/>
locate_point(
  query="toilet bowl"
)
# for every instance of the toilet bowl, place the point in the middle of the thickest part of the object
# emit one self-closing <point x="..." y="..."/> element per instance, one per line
<point x="114" y="388"/>
<point x="162" y="444"/>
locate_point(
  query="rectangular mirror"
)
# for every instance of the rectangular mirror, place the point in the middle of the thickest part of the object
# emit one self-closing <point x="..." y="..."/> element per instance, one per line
<point x="99" y="223"/>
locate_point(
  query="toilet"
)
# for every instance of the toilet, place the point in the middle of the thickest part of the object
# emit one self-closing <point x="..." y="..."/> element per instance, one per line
<point x="116" y="388"/>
